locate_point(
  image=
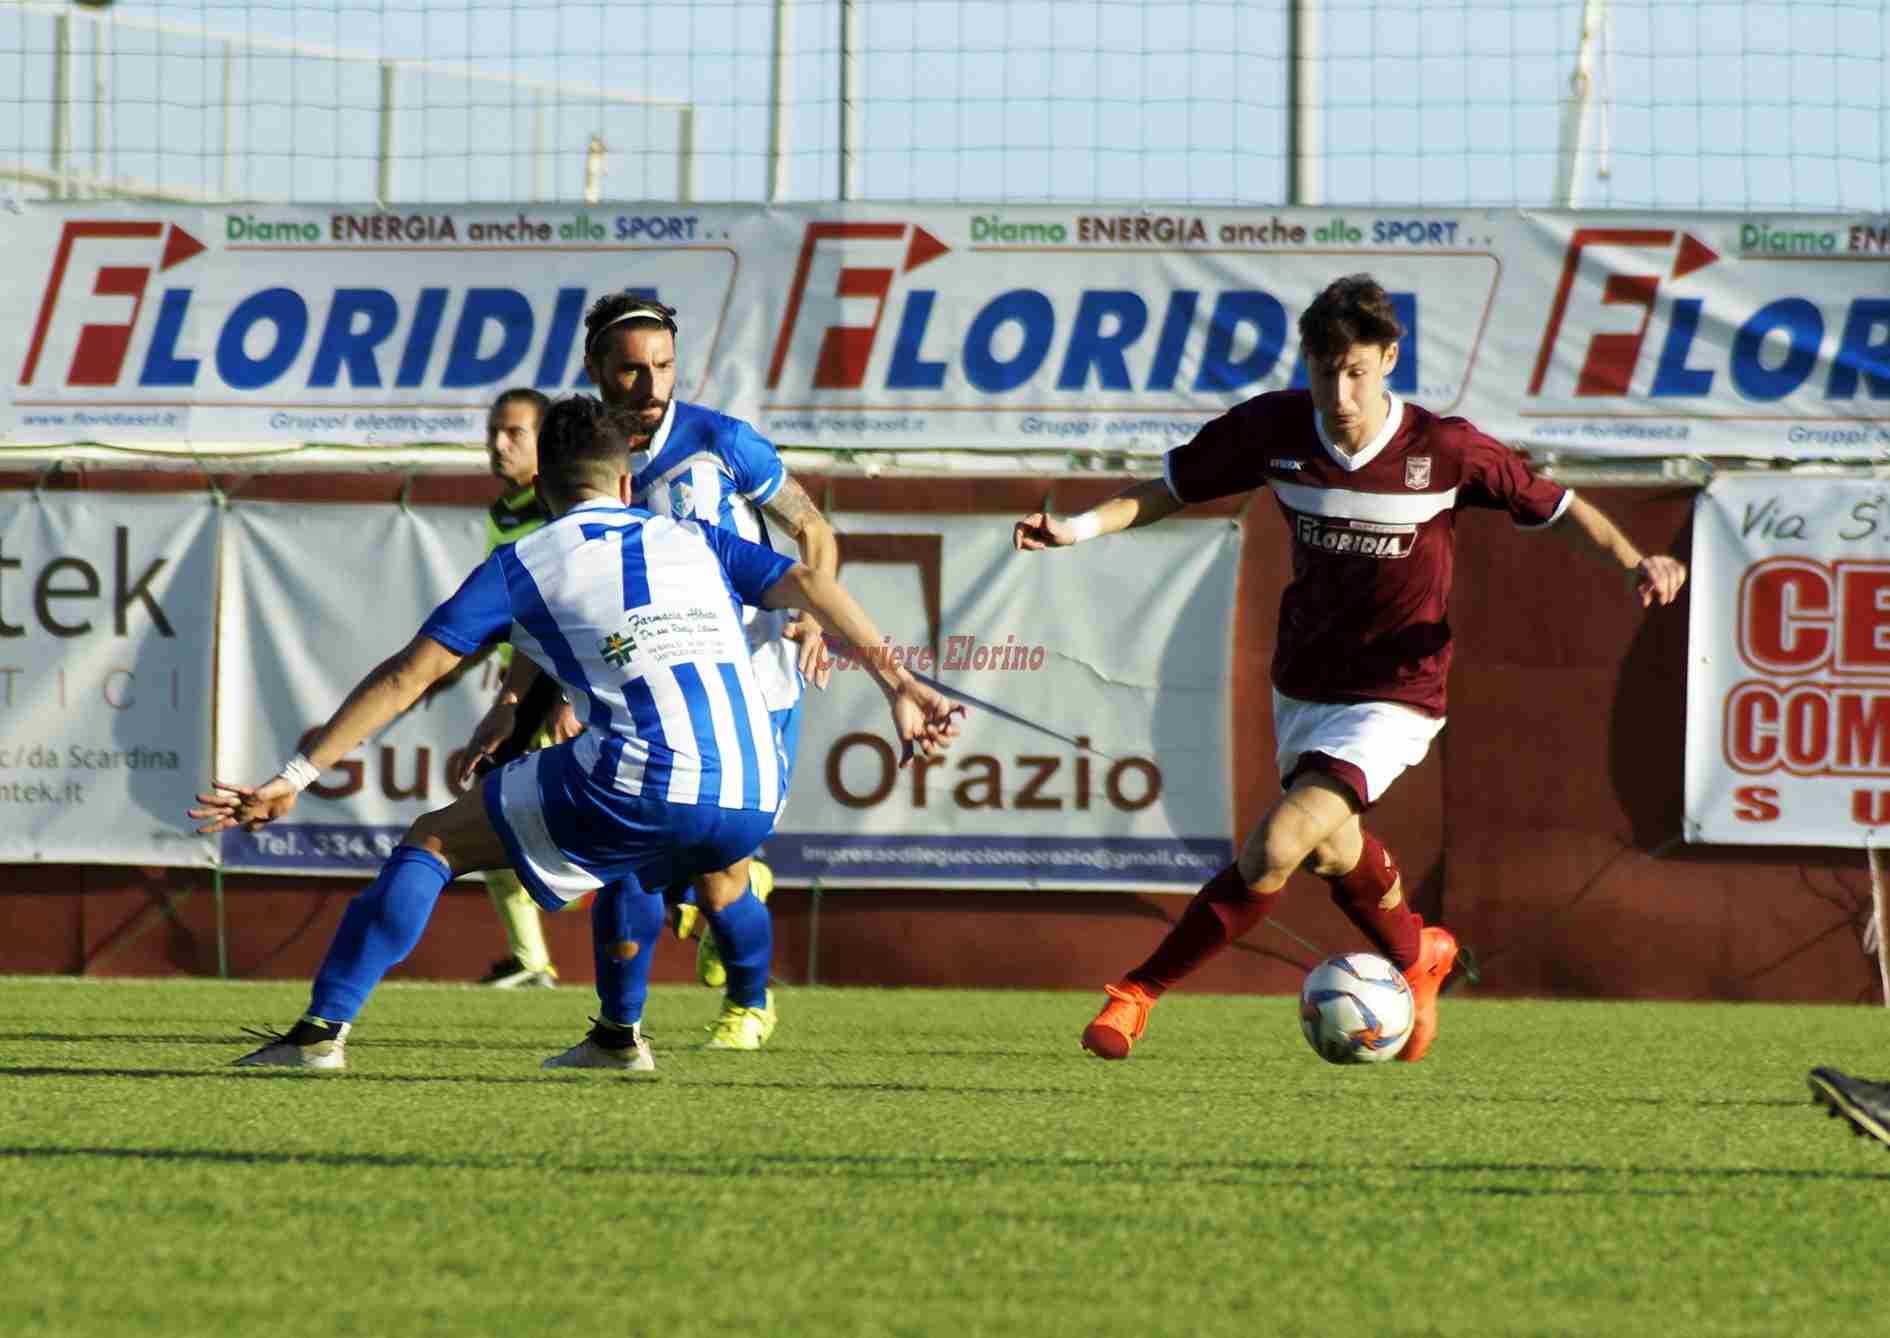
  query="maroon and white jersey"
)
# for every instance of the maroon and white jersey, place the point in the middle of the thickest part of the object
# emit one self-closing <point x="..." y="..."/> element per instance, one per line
<point x="1364" y="617"/>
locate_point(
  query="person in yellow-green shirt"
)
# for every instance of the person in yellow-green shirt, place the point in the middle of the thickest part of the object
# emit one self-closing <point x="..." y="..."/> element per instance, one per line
<point x="512" y="454"/>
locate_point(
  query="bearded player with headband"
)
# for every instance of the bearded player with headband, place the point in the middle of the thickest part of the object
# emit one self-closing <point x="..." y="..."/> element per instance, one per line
<point x="706" y="466"/>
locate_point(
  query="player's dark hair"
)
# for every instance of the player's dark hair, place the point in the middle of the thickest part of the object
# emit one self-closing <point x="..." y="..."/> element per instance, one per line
<point x="585" y="443"/>
<point x="625" y="308"/>
<point x="539" y="401"/>
<point x="1352" y="310"/>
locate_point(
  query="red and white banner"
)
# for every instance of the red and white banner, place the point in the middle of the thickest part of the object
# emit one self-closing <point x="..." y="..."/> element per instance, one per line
<point x="1788" y="676"/>
<point x="347" y="334"/>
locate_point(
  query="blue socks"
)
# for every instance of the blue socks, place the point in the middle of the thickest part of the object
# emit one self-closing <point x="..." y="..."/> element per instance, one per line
<point x="744" y="932"/>
<point x="382" y="925"/>
<point x="625" y="922"/>
<point x="379" y="929"/>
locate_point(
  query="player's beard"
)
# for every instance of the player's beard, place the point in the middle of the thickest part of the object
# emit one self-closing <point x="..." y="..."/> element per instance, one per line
<point x="649" y="413"/>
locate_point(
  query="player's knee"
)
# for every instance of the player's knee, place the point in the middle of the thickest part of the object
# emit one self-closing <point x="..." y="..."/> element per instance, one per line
<point x="719" y="890"/>
<point x="1281" y="852"/>
<point x="1332" y="859"/>
<point x="1257" y="875"/>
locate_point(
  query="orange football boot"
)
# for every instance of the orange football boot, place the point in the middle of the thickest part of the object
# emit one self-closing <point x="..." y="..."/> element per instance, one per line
<point x="1121" y="1023"/>
<point x="1437" y="953"/>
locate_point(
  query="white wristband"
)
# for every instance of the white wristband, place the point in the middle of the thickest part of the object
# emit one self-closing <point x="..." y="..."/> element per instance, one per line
<point x="299" y="772"/>
<point x="1086" y="526"/>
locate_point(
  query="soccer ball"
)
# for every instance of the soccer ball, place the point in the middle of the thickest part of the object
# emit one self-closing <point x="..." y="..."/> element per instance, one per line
<point x="1355" y="1009"/>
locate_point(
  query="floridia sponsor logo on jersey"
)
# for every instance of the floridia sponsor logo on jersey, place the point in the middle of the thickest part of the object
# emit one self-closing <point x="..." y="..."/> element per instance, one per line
<point x="1354" y="538"/>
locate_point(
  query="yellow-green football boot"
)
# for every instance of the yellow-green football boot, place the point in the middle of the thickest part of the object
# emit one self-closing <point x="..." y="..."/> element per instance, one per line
<point x="740" y="1028"/>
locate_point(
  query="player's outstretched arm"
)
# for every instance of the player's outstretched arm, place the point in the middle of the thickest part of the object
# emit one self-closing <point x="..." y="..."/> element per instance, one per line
<point x="391" y="687"/>
<point x="1138" y="504"/>
<point x="922" y="715"/>
<point x="501" y="720"/>
<point x="797" y="515"/>
<point x="1656" y="579"/>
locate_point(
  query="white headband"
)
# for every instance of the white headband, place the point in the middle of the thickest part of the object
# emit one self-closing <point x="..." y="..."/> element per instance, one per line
<point x="636" y="313"/>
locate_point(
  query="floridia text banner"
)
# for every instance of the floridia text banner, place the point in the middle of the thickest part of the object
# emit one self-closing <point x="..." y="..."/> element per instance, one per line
<point x="345" y="334"/>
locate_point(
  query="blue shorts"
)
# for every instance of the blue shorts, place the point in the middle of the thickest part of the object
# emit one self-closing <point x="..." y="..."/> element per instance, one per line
<point x="566" y="836"/>
<point x="787" y="742"/>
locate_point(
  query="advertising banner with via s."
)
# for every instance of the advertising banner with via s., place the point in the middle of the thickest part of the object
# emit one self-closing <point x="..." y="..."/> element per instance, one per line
<point x="1788" y="677"/>
<point x="1122" y="647"/>
<point x="107" y="607"/>
<point x="313" y="598"/>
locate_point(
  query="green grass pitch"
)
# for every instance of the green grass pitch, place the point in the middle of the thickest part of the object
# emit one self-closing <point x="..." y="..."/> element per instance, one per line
<point x="928" y="1163"/>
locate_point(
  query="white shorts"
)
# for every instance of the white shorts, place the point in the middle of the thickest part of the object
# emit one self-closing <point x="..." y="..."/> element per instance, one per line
<point x="1367" y="745"/>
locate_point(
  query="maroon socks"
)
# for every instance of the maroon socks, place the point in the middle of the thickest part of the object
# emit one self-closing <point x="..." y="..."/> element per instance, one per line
<point x="1221" y="912"/>
<point x="1396" y="933"/>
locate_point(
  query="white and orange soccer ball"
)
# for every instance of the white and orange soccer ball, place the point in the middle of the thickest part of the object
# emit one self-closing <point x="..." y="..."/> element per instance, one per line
<point x="1355" y="1009"/>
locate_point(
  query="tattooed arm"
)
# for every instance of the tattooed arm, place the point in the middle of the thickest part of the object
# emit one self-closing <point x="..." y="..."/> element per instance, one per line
<point x="795" y="512"/>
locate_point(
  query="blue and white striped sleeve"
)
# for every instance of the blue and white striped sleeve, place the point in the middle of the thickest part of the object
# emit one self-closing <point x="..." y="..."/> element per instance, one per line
<point x="479" y="613"/>
<point x="754" y="463"/>
<point x="752" y="569"/>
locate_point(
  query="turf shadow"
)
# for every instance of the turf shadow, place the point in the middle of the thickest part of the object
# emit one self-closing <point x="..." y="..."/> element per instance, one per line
<point x="484" y="1045"/>
<point x="127" y="1038"/>
<point x="1259" y="1174"/>
<point x="293" y="1075"/>
<point x="1562" y="1192"/>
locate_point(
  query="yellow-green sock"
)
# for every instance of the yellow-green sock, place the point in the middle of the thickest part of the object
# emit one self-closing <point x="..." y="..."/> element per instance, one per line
<point x="518" y="913"/>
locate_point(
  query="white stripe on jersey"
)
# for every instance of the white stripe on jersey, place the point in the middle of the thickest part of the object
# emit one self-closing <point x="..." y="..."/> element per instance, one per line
<point x="705" y="480"/>
<point x="767" y="760"/>
<point x="685" y="783"/>
<point x="1392" y="508"/>
<point x="1561" y="509"/>
<point x="727" y="744"/>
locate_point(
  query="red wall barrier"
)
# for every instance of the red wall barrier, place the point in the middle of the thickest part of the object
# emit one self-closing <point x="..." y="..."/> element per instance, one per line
<point x="1544" y="827"/>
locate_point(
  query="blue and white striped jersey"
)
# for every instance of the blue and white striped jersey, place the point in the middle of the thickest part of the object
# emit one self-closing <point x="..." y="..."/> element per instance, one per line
<point x="639" y="617"/>
<point x="706" y="466"/>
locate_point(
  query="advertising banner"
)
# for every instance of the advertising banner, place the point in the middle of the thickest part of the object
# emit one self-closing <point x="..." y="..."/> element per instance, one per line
<point x="314" y="596"/>
<point x="226" y="328"/>
<point x="1788" y="678"/>
<point x="1089" y="331"/>
<point x="1124" y="651"/>
<point x="107" y="607"/>
<point x="1714" y="334"/>
<point x="369" y="336"/>
<point x="1123" y="648"/>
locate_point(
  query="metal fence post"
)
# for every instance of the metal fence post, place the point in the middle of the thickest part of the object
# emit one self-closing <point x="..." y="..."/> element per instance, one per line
<point x="384" y="177"/>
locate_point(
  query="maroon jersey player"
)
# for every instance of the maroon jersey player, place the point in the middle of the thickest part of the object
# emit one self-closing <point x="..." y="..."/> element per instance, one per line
<point x="1370" y="487"/>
